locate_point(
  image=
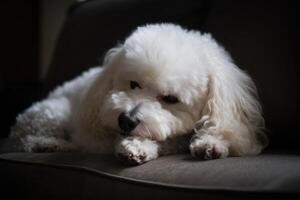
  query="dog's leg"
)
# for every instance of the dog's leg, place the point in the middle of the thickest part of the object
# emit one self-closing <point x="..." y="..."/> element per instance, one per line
<point x="42" y="127"/>
<point x="208" y="146"/>
<point x="46" y="144"/>
<point x="136" y="150"/>
<point x="47" y="125"/>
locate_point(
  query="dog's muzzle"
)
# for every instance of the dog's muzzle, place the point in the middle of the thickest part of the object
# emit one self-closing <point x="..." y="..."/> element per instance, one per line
<point x="127" y="123"/>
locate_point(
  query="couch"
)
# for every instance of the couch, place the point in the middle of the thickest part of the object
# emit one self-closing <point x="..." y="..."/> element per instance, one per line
<point x="261" y="37"/>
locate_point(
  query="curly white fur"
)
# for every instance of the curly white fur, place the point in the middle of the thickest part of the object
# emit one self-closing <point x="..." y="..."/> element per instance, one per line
<point x="217" y="102"/>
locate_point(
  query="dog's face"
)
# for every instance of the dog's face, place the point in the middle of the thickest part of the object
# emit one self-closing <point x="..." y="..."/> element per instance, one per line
<point x="157" y="85"/>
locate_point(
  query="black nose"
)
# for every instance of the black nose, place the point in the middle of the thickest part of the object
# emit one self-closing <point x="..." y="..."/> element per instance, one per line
<point x="127" y="123"/>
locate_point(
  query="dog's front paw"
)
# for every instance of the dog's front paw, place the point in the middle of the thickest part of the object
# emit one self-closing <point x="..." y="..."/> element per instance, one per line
<point x="136" y="151"/>
<point x="208" y="147"/>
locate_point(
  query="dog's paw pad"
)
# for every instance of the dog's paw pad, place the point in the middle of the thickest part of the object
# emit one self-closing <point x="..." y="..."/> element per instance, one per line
<point x="208" y="148"/>
<point x="207" y="153"/>
<point x="132" y="159"/>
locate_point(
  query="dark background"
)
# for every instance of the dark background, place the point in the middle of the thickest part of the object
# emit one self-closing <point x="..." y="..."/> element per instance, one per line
<point x="261" y="36"/>
<point x="19" y="80"/>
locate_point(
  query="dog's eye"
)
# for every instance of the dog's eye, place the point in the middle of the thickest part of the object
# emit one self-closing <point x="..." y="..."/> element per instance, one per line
<point x="170" y="99"/>
<point x="134" y="84"/>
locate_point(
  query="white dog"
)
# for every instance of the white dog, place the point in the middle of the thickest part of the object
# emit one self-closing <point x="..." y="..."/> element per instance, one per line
<point x="165" y="90"/>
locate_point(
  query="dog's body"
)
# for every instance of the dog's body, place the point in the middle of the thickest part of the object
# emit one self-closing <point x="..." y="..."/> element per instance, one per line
<point x="164" y="90"/>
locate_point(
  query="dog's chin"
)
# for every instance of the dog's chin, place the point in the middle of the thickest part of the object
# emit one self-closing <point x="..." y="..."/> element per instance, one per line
<point x="139" y="132"/>
<point x="117" y="133"/>
<point x="126" y="134"/>
<point x="136" y="134"/>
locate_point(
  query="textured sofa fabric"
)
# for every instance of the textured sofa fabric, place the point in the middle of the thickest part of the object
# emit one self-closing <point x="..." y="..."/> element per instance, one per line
<point x="81" y="175"/>
<point x="259" y="35"/>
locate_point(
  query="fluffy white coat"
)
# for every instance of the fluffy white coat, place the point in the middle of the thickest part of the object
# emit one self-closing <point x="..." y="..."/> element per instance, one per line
<point x="216" y="113"/>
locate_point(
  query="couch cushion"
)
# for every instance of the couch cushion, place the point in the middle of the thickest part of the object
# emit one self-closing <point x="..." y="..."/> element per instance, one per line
<point x="265" y="174"/>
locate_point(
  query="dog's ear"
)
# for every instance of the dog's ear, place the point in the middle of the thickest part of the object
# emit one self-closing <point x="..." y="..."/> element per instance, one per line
<point x="231" y="108"/>
<point x="101" y="84"/>
<point x="112" y="55"/>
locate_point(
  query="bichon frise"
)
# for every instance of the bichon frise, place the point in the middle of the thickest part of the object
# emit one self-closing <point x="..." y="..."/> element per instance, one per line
<point x="165" y="90"/>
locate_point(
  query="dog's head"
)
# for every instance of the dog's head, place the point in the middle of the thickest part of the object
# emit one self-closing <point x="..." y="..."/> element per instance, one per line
<point x="162" y="82"/>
